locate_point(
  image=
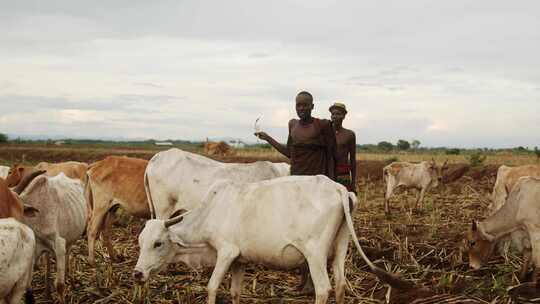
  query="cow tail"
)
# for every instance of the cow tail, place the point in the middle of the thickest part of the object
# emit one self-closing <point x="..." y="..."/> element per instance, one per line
<point x="149" y="196"/>
<point x="384" y="276"/>
<point x="89" y="196"/>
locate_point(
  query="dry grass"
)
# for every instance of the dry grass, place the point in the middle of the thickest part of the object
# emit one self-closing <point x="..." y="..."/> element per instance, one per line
<point x="423" y="246"/>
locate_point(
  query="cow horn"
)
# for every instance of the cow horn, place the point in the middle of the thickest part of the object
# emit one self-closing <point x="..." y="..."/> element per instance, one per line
<point x="26" y="181"/>
<point x="173" y="221"/>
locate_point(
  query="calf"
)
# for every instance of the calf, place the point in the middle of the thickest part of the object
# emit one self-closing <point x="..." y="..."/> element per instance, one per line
<point x="176" y="179"/>
<point x="519" y="213"/>
<point x="60" y="223"/>
<point x="112" y="182"/>
<point x="280" y="223"/>
<point x="16" y="261"/>
<point x="71" y="169"/>
<point x="422" y="177"/>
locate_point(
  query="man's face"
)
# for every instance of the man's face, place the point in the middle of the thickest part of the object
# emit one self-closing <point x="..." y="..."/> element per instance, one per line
<point x="304" y="106"/>
<point x="337" y="116"/>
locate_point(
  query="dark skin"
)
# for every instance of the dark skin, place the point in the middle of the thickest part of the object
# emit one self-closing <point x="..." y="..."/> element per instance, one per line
<point x="304" y="106"/>
<point x="346" y="142"/>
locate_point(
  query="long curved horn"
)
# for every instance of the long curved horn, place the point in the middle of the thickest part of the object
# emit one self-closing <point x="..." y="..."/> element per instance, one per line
<point x="174" y="221"/>
<point x="26" y="181"/>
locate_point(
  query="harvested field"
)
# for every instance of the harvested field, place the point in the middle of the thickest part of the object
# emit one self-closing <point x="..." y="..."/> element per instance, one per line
<point x="423" y="246"/>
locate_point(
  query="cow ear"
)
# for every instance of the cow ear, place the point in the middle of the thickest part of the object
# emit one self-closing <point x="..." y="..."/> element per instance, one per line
<point x="30" y="211"/>
<point x="474" y="227"/>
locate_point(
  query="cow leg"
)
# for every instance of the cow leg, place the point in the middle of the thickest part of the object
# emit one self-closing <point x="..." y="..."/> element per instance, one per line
<point x="317" y="268"/>
<point x="225" y="258"/>
<point x="47" y="275"/>
<point x="306" y="283"/>
<point x="420" y="198"/>
<point x="526" y="262"/>
<point x="338" y="265"/>
<point x="94" y="225"/>
<point x="237" y="278"/>
<point x="388" y="194"/>
<point x="106" y="236"/>
<point x="60" y="253"/>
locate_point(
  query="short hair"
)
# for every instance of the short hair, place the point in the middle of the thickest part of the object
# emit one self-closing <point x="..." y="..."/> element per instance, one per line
<point x="307" y="94"/>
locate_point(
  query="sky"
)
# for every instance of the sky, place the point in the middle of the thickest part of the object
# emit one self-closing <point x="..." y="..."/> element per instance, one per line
<point x="448" y="73"/>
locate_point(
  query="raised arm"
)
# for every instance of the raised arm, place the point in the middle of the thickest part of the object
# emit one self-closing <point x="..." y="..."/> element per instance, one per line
<point x="283" y="149"/>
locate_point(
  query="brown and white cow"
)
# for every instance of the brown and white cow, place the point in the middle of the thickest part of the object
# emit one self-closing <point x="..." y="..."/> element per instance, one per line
<point x="16" y="261"/>
<point x="507" y="177"/>
<point x="217" y="148"/>
<point x="60" y="222"/>
<point x="421" y="176"/>
<point x="519" y="213"/>
<point x="114" y="181"/>
<point x="71" y="169"/>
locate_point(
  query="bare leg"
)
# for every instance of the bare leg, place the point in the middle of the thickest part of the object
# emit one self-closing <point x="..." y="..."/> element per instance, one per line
<point x="225" y="258"/>
<point x="237" y="270"/>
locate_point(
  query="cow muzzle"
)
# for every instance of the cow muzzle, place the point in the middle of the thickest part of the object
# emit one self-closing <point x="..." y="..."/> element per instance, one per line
<point x="138" y="276"/>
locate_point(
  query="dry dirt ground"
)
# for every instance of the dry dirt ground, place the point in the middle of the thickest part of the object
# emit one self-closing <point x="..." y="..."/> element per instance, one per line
<point x="424" y="246"/>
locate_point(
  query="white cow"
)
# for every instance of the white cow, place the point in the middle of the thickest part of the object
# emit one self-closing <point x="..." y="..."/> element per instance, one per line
<point x="519" y="213"/>
<point x="280" y="223"/>
<point x="4" y="171"/>
<point x="507" y="177"/>
<point x="60" y="222"/>
<point x="176" y="179"/>
<point x="16" y="261"/>
<point x="421" y="176"/>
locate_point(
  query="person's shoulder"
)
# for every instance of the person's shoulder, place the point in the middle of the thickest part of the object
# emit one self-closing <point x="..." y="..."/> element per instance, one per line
<point x="324" y="122"/>
<point x="349" y="131"/>
<point x="293" y="121"/>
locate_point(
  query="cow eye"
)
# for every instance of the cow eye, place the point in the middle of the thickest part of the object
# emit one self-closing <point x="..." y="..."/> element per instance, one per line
<point x="472" y="243"/>
<point x="157" y="244"/>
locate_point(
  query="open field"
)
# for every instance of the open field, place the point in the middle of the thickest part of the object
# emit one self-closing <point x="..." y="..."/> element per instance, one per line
<point x="424" y="246"/>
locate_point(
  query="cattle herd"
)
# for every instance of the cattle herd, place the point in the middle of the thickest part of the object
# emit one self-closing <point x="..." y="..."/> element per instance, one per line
<point x="206" y="213"/>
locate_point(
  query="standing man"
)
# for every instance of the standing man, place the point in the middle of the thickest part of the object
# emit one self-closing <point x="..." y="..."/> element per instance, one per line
<point x="311" y="145"/>
<point x="346" y="148"/>
<point x="311" y="148"/>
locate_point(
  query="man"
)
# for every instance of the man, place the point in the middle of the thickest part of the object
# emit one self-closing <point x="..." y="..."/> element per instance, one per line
<point x="346" y="148"/>
<point x="311" y="148"/>
<point x="311" y="145"/>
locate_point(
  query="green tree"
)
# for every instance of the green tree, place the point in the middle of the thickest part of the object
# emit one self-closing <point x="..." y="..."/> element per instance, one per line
<point x="403" y="145"/>
<point x="537" y="152"/>
<point x="3" y="138"/>
<point x="385" y="146"/>
<point x="415" y="143"/>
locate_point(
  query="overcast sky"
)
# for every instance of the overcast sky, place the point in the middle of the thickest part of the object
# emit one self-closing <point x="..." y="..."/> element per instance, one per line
<point x="449" y="73"/>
